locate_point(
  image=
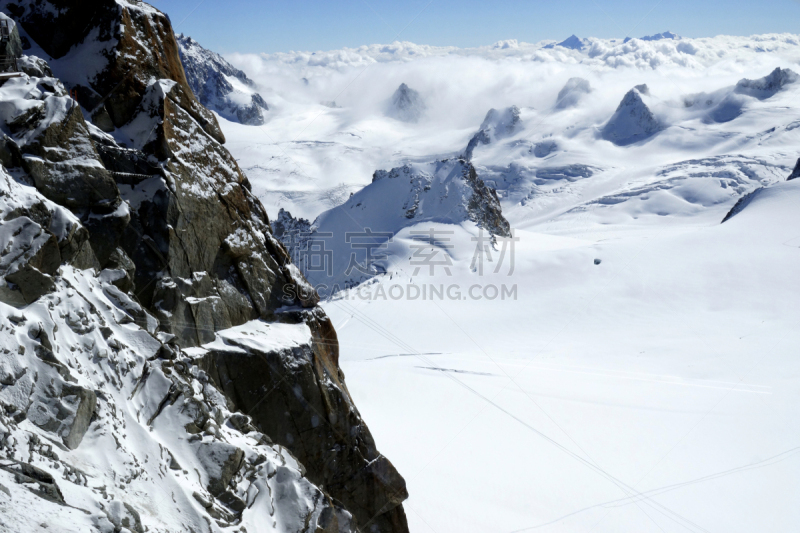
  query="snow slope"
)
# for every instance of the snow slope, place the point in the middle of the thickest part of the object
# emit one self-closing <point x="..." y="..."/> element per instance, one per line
<point x="644" y="377"/>
<point x="652" y="392"/>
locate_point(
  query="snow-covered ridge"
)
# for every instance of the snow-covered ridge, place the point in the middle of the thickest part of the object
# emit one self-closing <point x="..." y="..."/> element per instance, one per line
<point x="219" y="85"/>
<point x="414" y="195"/>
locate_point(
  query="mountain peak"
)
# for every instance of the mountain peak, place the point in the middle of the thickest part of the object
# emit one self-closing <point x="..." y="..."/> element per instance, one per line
<point x="573" y="42"/>
<point x="767" y="86"/>
<point x="633" y="121"/>
<point x="668" y="35"/>
<point x="572" y="92"/>
<point x="219" y="85"/>
<point x="496" y="125"/>
<point x="406" y="104"/>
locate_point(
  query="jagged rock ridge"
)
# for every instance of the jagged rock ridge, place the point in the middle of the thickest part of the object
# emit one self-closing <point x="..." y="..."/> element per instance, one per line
<point x="440" y="192"/>
<point x="140" y="273"/>
<point x="219" y="85"/>
<point x="767" y="86"/>
<point x="667" y="35"/>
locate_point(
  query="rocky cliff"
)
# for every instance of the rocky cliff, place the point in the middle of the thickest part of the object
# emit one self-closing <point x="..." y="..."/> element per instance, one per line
<point x="164" y="366"/>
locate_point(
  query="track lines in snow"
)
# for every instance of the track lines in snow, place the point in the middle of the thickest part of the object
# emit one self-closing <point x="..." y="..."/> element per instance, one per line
<point x="402" y="355"/>
<point x="455" y="371"/>
<point x="628" y="490"/>
<point x="665" y="379"/>
<point x="661" y="490"/>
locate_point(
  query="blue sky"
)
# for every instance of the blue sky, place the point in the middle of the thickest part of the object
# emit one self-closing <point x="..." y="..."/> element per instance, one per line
<point x="284" y="25"/>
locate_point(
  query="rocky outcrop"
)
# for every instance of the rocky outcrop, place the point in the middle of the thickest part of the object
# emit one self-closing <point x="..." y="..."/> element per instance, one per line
<point x="219" y="85"/>
<point x="406" y="104"/>
<point x="741" y="203"/>
<point x="38" y="481"/>
<point x="131" y="44"/>
<point x="795" y="172"/>
<point x="35" y="67"/>
<point x="308" y="402"/>
<point x="139" y="273"/>
<point x="37" y="236"/>
<point x="633" y="121"/>
<point x="205" y="257"/>
<point x="449" y="191"/>
<point x="484" y="206"/>
<point x="48" y="140"/>
<point x="123" y="515"/>
<point x="284" y="226"/>
<point x="433" y="186"/>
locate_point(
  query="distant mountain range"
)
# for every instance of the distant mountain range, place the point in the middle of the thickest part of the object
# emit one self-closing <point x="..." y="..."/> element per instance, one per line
<point x="573" y="42"/>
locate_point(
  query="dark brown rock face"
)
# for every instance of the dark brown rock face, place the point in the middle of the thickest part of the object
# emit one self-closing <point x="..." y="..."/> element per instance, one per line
<point x="299" y="398"/>
<point x="484" y="205"/>
<point x="205" y="257"/>
<point x="139" y="47"/>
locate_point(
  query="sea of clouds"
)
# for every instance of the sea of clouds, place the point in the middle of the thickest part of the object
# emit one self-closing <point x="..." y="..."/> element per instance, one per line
<point x="460" y="84"/>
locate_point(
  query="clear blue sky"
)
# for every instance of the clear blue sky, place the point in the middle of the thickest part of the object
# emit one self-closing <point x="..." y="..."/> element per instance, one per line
<point x="284" y="25"/>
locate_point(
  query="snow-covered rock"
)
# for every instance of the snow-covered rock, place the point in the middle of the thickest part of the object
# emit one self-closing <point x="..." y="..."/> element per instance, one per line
<point x="667" y="35"/>
<point x="34" y="67"/>
<point x="795" y="172"/>
<point x="406" y="104"/>
<point x="632" y="121"/>
<point x="285" y="225"/>
<point x="729" y="103"/>
<point x="48" y="141"/>
<point x="767" y="86"/>
<point x="140" y="289"/>
<point x="440" y="192"/>
<point x="572" y="93"/>
<point x="219" y="85"/>
<point x="76" y="370"/>
<point x="497" y="125"/>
